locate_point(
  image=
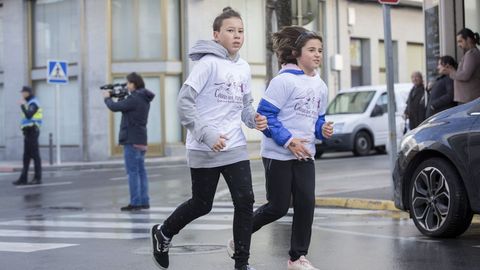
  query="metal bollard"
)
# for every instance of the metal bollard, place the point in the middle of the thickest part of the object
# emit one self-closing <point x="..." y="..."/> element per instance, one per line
<point x="50" y="148"/>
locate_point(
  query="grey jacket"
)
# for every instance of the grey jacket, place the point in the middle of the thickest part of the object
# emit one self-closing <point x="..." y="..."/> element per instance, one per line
<point x="467" y="77"/>
<point x="202" y="132"/>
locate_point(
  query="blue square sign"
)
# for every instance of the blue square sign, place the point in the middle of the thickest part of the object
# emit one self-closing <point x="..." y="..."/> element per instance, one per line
<point x="57" y="72"/>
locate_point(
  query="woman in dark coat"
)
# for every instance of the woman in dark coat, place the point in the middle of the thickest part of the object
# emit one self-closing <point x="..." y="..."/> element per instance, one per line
<point x="441" y="95"/>
<point x="416" y="102"/>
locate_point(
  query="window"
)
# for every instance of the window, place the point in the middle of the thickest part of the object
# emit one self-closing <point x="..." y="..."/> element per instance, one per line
<point x="70" y="102"/>
<point x="382" y="65"/>
<point x="383" y="102"/>
<point x="1" y="40"/>
<point x="472" y="20"/>
<point x="137" y="30"/>
<point x="415" y="58"/>
<point x="55" y="31"/>
<point x="350" y="102"/>
<point x="173" y="129"/>
<point x="356" y="61"/>
<point x="359" y="62"/>
<point x="2" y="116"/>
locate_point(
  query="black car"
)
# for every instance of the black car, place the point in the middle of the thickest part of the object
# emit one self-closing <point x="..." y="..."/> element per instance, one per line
<point x="437" y="173"/>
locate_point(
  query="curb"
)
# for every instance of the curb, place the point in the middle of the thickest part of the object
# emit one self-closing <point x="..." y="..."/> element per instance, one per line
<point x="354" y="203"/>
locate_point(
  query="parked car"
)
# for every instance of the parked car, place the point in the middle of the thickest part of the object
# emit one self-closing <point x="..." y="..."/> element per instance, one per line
<point x="437" y="173"/>
<point x="361" y="120"/>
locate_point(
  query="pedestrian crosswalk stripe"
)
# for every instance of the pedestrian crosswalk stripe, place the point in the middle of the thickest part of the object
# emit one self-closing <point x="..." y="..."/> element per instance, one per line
<point x="45" y="185"/>
<point x="109" y="225"/>
<point x="31" y="247"/>
<point x="68" y="234"/>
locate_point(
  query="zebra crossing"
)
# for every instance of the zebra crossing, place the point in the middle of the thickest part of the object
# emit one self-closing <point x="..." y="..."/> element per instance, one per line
<point x="16" y="234"/>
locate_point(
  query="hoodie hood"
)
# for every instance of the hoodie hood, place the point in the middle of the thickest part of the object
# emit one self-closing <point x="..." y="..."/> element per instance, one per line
<point x="145" y="94"/>
<point x="204" y="47"/>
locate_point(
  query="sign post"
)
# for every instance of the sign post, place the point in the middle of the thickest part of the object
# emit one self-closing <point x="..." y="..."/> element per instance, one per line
<point x="392" y="126"/>
<point x="57" y="74"/>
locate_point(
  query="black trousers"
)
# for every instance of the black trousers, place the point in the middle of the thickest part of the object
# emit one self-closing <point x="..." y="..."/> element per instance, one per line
<point x="285" y="179"/>
<point x="31" y="151"/>
<point x="204" y="185"/>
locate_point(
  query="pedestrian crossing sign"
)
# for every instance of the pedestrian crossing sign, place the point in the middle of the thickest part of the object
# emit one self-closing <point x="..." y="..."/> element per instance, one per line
<point x="57" y="72"/>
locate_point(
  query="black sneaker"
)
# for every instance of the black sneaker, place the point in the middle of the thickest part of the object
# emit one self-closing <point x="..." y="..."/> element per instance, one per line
<point x="145" y="206"/>
<point x="245" y="267"/>
<point x="160" y="245"/>
<point x="130" y="208"/>
<point x="19" y="182"/>
<point x="35" y="181"/>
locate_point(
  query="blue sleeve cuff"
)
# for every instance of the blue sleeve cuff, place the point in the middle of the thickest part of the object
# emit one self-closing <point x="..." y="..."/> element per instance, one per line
<point x="318" y="127"/>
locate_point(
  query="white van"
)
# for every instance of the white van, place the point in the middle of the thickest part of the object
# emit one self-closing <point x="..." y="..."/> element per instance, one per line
<point x="361" y="120"/>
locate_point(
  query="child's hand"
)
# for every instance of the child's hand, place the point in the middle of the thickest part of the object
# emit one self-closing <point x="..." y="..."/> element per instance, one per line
<point x="297" y="147"/>
<point x="327" y="130"/>
<point x="220" y="144"/>
<point x="260" y="122"/>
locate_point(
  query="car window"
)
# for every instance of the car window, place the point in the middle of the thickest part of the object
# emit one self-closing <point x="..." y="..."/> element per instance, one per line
<point x="350" y="103"/>
<point x="383" y="102"/>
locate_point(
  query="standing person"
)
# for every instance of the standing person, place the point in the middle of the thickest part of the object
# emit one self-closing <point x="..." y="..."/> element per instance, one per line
<point x="212" y="104"/>
<point x="467" y="76"/>
<point x="133" y="136"/>
<point x="441" y="94"/>
<point x="417" y="101"/>
<point x="30" y="125"/>
<point x="294" y="104"/>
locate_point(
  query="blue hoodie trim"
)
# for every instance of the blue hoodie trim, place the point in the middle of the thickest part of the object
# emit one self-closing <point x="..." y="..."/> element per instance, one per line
<point x="293" y="71"/>
<point x="318" y="127"/>
<point x="275" y="129"/>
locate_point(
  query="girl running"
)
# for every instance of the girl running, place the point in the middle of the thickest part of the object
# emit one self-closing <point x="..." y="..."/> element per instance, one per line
<point x="212" y="104"/>
<point x="294" y="104"/>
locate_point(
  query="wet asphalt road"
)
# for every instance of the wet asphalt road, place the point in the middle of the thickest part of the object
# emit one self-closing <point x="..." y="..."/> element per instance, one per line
<point x="72" y="222"/>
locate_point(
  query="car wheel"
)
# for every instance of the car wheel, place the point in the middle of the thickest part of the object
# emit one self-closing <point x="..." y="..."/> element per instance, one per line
<point x="362" y="144"/>
<point x="438" y="201"/>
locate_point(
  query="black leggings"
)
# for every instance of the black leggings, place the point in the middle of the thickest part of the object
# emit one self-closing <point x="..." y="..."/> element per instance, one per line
<point x="204" y="186"/>
<point x="285" y="179"/>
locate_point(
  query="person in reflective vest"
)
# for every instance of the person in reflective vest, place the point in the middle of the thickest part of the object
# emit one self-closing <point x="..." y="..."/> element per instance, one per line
<point x="31" y="122"/>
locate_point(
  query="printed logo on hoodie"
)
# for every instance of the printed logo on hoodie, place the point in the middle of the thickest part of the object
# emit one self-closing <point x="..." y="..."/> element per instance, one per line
<point x="307" y="104"/>
<point x="230" y="91"/>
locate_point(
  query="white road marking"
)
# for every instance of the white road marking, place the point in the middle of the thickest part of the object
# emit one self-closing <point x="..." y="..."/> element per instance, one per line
<point x="103" y="225"/>
<point x="68" y="234"/>
<point x="45" y="185"/>
<point x="371" y="235"/>
<point x="126" y="177"/>
<point x="31" y="247"/>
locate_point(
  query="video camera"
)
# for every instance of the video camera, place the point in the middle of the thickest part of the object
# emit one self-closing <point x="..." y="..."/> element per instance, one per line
<point x="117" y="90"/>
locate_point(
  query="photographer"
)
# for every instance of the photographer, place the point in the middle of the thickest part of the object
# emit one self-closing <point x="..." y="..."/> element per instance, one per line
<point x="133" y="137"/>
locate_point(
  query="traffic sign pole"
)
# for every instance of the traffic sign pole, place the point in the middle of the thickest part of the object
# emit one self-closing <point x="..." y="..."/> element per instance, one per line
<point x="57" y="123"/>
<point x="392" y="126"/>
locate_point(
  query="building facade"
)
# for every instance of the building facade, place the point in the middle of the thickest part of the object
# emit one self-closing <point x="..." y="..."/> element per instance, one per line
<point x="104" y="40"/>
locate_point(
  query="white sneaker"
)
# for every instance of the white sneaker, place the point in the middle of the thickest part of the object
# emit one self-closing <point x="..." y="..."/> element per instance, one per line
<point x="301" y="264"/>
<point x="231" y="248"/>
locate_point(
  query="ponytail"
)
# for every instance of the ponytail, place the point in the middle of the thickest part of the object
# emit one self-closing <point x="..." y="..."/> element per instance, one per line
<point x="477" y="38"/>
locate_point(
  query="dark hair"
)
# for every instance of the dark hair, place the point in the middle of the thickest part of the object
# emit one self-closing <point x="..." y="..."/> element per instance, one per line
<point x="289" y="41"/>
<point x="136" y="79"/>
<point x="448" y="60"/>
<point x="227" y="13"/>
<point x="467" y="33"/>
